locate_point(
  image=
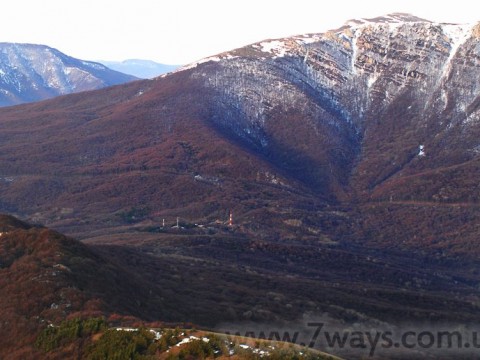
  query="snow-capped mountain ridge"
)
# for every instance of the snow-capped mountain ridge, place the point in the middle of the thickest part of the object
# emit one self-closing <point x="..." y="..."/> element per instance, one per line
<point x="457" y="33"/>
<point x="349" y="78"/>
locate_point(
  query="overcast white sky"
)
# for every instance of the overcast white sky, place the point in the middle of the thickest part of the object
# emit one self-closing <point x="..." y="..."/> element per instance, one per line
<point x="182" y="31"/>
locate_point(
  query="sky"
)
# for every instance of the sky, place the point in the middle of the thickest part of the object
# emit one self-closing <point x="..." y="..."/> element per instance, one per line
<point x="183" y="31"/>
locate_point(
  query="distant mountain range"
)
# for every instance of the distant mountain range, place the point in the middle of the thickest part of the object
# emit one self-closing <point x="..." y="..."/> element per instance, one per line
<point x="36" y="72"/>
<point x="144" y="69"/>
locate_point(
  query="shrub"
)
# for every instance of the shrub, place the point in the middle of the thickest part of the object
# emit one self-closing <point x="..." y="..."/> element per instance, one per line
<point x="68" y="331"/>
<point x="119" y="345"/>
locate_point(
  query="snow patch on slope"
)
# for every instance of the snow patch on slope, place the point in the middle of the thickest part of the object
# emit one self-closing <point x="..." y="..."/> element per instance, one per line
<point x="282" y="47"/>
<point x="372" y="79"/>
<point x="193" y="65"/>
<point x="354" y="51"/>
<point x="390" y="21"/>
<point x="421" y="150"/>
<point x="308" y="38"/>
<point x="458" y="35"/>
<point x="275" y="47"/>
<point x="93" y="65"/>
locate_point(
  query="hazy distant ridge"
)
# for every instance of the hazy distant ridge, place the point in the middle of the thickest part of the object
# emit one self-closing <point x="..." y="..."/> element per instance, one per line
<point x="30" y="72"/>
<point x="145" y="69"/>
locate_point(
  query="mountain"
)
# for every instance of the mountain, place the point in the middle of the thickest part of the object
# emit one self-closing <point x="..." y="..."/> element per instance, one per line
<point x="46" y="276"/>
<point x="143" y="69"/>
<point x="55" y="293"/>
<point x="36" y="72"/>
<point x="348" y="161"/>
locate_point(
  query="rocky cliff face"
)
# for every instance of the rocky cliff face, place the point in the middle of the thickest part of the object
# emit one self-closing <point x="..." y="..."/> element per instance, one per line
<point x="369" y="102"/>
<point x="35" y="72"/>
